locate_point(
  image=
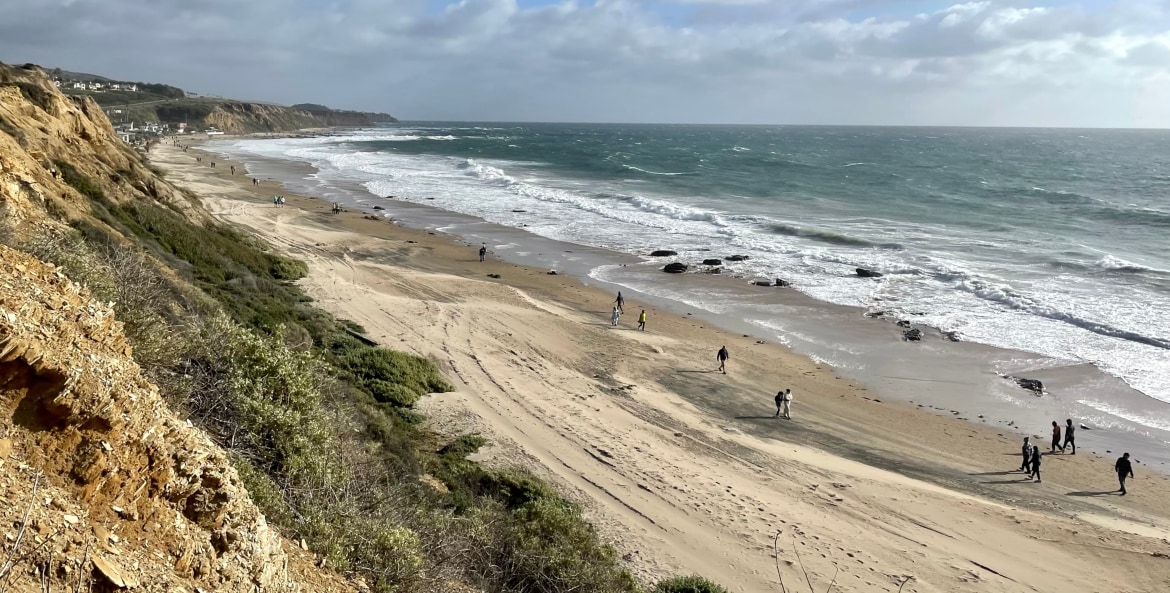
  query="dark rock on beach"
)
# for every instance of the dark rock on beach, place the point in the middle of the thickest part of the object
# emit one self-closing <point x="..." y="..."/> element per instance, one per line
<point x="675" y="268"/>
<point x="712" y="262"/>
<point x="1033" y="385"/>
<point x="953" y="336"/>
<point x="737" y="258"/>
<point x="496" y="276"/>
<point x="903" y="323"/>
<point x="864" y="273"/>
<point x="781" y="283"/>
<point x="912" y="335"/>
<point x="663" y="253"/>
<point x="763" y="283"/>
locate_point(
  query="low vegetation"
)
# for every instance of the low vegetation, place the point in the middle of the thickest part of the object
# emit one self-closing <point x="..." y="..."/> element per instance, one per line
<point x="319" y="423"/>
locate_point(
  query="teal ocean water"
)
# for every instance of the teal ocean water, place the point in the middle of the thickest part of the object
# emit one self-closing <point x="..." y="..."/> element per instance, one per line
<point x="1048" y="241"/>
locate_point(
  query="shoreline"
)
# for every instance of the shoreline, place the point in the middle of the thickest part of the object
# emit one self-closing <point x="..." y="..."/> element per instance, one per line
<point x="634" y="423"/>
<point x="964" y="379"/>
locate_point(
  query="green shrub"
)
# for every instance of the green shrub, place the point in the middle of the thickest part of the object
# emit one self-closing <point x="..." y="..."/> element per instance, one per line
<point x="276" y="395"/>
<point x="391" y="377"/>
<point x="78" y="181"/>
<point x="691" y="584"/>
<point x="265" y="492"/>
<point x="548" y="547"/>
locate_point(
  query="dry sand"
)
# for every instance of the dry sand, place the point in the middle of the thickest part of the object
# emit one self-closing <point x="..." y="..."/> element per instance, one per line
<point x="685" y="469"/>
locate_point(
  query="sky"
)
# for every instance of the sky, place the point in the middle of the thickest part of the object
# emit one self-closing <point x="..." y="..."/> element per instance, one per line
<point x="1067" y="63"/>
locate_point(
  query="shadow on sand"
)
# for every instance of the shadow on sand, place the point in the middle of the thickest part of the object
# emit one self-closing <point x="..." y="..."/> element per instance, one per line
<point x="696" y="371"/>
<point x="757" y="417"/>
<point x="1087" y="493"/>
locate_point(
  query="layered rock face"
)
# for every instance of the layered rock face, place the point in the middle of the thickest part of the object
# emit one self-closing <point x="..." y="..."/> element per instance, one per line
<point x="156" y="502"/>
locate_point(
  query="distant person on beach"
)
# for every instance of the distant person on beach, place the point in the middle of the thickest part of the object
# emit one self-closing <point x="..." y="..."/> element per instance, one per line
<point x="482" y="252"/>
<point x="1056" y="438"/>
<point x="233" y="169"/>
<point x="613" y="318"/>
<point x="1069" y="440"/>
<point x="212" y="164"/>
<point x="1027" y="452"/>
<point x="722" y="357"/>
<point x="1124" y="470"/>
<point x="779" y="403"/>
<point x="275" y="201"/>
<point x="255" y="181"/>
<point x="620" y="301"/>
<point x="788" y="404"/>
<point x="642" y="320"/>
<point x="1035" y="464"/>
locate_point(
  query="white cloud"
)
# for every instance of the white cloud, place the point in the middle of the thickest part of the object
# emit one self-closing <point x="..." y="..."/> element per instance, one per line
<point x="811" y="61"/>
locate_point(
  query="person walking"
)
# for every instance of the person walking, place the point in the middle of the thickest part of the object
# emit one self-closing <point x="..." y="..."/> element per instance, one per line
<point x="779" y="403"/>
<point x="613" y="318"/>
<point x="788" y="404"/>
<point x="1026" y="450"/>
<point x="1124" y="470"/>
<point x="722" y="357"/>
<point x="1068" y="436"/>
<point x="1035" y="464"/>
<point x="1056" y="438"/>
<point x="642" y="320"/>
<point x="482" y="252"/>
<point x="620" y="302"/>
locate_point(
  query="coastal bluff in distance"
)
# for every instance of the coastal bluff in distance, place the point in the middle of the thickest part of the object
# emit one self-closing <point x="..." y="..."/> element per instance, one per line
<point x="147" y="103"/>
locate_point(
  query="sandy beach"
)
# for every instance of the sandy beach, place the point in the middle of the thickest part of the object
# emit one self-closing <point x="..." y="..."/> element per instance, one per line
<point x="686" y="469"/>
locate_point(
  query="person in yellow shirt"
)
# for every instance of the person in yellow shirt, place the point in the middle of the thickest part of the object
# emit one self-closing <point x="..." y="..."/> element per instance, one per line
<point x="642" y="320"/>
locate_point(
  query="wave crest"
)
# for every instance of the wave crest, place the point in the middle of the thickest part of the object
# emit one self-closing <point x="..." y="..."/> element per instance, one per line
<point x="829" y="237"/>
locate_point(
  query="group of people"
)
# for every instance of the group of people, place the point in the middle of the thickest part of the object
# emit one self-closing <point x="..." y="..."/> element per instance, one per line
<point x="1032" y="457"/>
<point x="619" y="308"/>
<point x="278" y="201"/>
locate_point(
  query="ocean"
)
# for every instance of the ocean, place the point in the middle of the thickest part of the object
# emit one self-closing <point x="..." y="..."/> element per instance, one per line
<point x="1045" y="241"/>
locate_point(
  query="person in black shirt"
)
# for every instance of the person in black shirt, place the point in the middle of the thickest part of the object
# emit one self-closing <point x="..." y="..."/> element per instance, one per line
<point x="482" y="251"/>
<point x="1124" y="470"/>
<point x="1068" y="436"/>
<point x="722" y="357"/>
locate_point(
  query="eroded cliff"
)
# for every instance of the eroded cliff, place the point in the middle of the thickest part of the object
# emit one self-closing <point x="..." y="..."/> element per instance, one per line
<point x="102" y="485"/>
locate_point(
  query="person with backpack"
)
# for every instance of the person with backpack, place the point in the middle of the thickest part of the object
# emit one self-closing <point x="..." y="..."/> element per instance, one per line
<point x="722" y="357"/>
